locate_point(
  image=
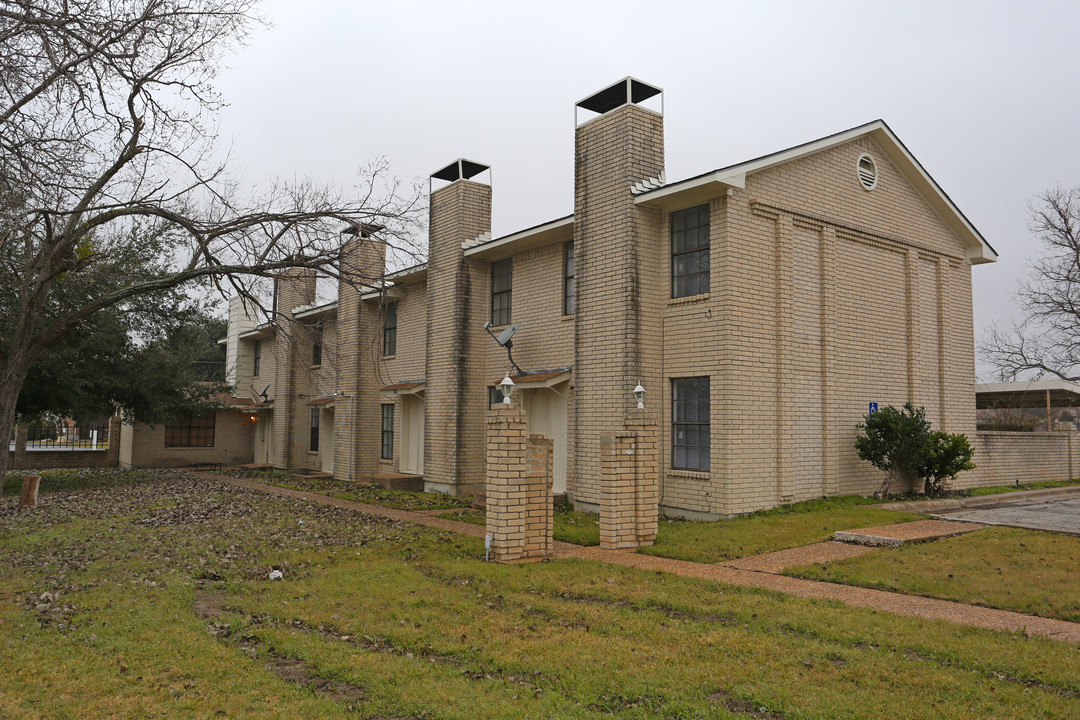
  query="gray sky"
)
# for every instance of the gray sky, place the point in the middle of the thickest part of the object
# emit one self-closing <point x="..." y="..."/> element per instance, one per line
<point x="983" y="93"/>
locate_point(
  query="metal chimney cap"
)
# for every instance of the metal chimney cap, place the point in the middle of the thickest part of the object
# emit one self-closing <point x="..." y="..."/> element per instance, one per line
<point x="627" y="91"/>
<point x="460" y="169"/>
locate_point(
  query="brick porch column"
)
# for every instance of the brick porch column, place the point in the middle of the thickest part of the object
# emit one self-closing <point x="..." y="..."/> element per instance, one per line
<point x="630" y="498"/>
<point x="519" y="473"/>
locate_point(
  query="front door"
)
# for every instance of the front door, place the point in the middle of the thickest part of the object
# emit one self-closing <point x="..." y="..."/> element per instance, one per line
<point x="412" y="434"/>
<point x="545" y="412"/>
<point x="264" y="437"/>
<point x="326" y="440"/>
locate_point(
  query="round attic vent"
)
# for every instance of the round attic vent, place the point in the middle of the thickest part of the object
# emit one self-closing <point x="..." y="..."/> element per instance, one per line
<point x="867" y="171"/>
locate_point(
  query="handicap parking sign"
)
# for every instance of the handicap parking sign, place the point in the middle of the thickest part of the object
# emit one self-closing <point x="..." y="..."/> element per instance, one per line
<point x="873" y="408"/>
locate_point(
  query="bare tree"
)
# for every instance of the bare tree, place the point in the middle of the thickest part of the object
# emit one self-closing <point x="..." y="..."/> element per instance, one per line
<point x="110" y="196"/>
<point x="1047" y="340"/>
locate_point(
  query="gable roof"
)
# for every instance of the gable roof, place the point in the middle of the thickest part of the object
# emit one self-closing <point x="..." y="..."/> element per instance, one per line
<point x="716" y="182"/>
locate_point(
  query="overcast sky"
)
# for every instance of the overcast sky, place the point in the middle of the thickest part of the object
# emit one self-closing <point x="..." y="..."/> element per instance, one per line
<point x="983" y="93"/>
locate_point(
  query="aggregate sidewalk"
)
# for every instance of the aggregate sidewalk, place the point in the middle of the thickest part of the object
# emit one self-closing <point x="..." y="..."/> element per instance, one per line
<point x="879" y="600"/>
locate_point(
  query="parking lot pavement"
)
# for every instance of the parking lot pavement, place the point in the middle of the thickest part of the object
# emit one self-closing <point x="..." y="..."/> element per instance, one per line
<point x="1062" y="516"/>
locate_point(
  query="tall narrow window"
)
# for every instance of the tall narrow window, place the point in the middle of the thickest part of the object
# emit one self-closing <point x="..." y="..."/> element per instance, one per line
<point x="191" y="431"/>
<point x="389" y="333"/>
<point x="569" y="281"/>
<point x="502" y="276"/>
<point x="258" y="358"/>
<point x="387" y="432"/>
<point x="690" y="423"/>
<point x="314" y="444"/>
<point x="690" y="251"/>
<point x="316" y="344"/>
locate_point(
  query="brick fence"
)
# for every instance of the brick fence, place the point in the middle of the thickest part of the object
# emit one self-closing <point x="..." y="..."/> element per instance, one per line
<point x="1003" y="458"/>
<point x="23" y="459"/>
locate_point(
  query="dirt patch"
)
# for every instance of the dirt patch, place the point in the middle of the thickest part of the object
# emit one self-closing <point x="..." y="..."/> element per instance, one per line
<point x="208" y="604"/>
<point x="295" y="671"/>
<point x="743" y="707"/>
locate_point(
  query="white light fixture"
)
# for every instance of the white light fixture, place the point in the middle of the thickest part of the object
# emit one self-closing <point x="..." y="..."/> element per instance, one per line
<point x="639" y="395"/>
<point x="506" y="387"/>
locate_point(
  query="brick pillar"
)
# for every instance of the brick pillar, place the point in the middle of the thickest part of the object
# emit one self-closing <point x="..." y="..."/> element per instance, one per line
<point x="357" y="420"/>
<point x="114" y="442"/>
<point x="455" y="400"/>
<point x="519" y="473"/>
<point x="19" y="461"/>
<point x="292" y="354"/>
<point x="630" y="471"/>
<point x="616" y="244"/>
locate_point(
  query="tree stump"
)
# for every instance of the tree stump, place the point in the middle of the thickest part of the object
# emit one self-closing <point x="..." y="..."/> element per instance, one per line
<point x="29" y="490"/>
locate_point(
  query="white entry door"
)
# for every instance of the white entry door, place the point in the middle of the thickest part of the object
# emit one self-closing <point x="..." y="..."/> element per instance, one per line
<point x="264" y="437"/>
<point x="412" y="434"/>
<point x="545" y="412"/>
<point x="326" y="440"/>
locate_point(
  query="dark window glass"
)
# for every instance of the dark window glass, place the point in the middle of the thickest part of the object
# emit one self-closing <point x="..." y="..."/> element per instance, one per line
<point x="569" y="281"/>
<point x="502" y="275"/>
<point x="690" y="423"/>
<point x="316" y="344"/>
<point x="314" y="446"/>
<point x="387" y="432"/>
<point x="389" y="333"/>
<point x="690" y="251"/>
<point x="258" y="358"/>
<point x="191" y="431"/>
<point x="494" y="395"/>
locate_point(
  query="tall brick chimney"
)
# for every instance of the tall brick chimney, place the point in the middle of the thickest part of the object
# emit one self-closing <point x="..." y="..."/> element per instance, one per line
<point x="455" y="403"/>
<point x="615" y="244"/>
<point x="293" y="289"/>
<point x="356" y="414"/>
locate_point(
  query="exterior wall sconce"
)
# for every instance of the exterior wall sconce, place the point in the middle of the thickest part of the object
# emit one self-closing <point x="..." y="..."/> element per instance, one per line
<point x="639" y="395"/>
<point x="506" y="387"/>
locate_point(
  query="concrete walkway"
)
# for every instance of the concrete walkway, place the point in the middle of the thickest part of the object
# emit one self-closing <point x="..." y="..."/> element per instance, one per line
<point x="896" y="603"/>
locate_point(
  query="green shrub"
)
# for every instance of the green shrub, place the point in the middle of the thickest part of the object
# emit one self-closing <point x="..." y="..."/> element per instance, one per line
<point x="902" y="445"/>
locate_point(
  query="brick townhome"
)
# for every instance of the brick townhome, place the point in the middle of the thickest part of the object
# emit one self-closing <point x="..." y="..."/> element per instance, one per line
<point x="762" y="306"/>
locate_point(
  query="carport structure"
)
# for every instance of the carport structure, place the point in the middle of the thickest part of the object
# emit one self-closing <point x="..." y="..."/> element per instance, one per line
<point x="1027" y="395"/>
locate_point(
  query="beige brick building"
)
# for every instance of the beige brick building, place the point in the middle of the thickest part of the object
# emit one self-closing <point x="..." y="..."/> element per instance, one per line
<point x="763" y="306"/>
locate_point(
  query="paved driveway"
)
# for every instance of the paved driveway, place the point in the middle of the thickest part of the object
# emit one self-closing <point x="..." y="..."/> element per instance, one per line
<point x="1061" y="516"/>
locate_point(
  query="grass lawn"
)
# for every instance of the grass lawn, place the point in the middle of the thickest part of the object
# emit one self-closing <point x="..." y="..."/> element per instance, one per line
<point x="998" y="489"/>
<point x="150" y="596"/>
<point x="1023" y="570"/>
<point x="370" y="494"/>
<point x="567" y="525"/>
<point x="784" y="527"/>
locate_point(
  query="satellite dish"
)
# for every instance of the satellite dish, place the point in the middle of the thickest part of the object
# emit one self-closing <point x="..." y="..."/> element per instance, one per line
<point x="505" y="335"/>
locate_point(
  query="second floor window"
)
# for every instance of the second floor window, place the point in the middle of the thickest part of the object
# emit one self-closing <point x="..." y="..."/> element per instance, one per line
<point x="690" y="251"/>
<point x="389" y="333"/>
<point x="258" y="358"/>
<point x="502" y="275"/>
<point x="569" y="281"/>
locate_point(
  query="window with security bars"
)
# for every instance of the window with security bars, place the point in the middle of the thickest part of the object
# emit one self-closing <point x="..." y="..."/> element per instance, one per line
<point x="191" y="431"/>
<point x="389" y="333"/>
<point x="387" y="432"/>
<point x="313" y="444"/>
<point x="690" y="251"/>
<point x="690" y="423"/>
<point x="502" y="275"/>
<point x="569" y="280"/>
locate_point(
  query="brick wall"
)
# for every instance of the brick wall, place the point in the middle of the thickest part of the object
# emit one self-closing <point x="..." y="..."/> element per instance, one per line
<point x="233" y="444"/>
<point x="1003" y="458"/>
<point x="629" y="500"/>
